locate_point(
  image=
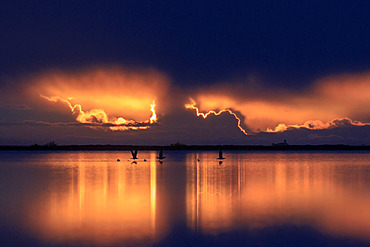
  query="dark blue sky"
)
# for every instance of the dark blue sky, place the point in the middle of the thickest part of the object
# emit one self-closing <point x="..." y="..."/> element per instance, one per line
<point x="289" y="43"/>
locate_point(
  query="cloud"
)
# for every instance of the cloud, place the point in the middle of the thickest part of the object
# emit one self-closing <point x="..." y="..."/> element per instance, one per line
<point x="98" y="117"/>
<point x="115" y="105"/>
<point x="322" y="105"/>
<point x="131" y="125"/>
<point x="193" y="106"/>
<point x="317" y="125"/>
<point x="110" y="97"/>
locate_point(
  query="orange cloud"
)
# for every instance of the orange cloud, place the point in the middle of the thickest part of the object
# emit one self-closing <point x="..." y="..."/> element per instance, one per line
<point x="112" y="97"/>
<point x="318" y="125"/>
<point x="328" y="101"/>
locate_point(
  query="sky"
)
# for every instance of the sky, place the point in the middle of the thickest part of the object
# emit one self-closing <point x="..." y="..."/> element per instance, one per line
<point x="195" y="72"/>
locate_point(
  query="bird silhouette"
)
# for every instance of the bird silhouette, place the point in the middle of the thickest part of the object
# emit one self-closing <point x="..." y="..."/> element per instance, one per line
<point x="161" y="157"/>
<point x="134" y="154"/>
<point x="220" y="157"/>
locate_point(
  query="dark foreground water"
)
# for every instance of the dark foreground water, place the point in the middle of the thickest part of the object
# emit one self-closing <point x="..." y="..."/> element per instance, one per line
<point x="251" y="199"/>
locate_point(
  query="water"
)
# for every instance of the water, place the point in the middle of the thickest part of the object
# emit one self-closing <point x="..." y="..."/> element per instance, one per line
<point x="251" y="199"/>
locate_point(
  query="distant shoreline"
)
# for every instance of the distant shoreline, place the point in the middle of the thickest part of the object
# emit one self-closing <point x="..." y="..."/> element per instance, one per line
<point x="183" y="147"/>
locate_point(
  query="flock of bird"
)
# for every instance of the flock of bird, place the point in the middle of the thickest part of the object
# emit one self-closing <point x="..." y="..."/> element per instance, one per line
<point x="160" y="157"/>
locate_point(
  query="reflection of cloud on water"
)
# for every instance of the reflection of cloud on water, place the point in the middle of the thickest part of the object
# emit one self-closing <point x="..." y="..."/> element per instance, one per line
<point x="100" y="203"/>
<point x="275" y="191"/>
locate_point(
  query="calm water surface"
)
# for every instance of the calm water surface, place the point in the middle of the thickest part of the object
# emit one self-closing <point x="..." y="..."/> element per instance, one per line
<point x="251" y="199"/>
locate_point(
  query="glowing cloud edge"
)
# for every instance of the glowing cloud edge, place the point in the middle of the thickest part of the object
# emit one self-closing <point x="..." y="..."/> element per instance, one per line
<point x="101" y="118"/>
<point x="317" y="125"/>
<point x="192" y="106"/>
<point x="309" y="124"/>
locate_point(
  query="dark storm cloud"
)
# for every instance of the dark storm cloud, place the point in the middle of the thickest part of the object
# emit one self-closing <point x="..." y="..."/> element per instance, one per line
<point x="290" y="43"/>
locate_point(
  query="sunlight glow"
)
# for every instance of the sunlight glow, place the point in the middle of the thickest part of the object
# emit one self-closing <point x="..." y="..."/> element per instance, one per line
<point x="153" y="118"/>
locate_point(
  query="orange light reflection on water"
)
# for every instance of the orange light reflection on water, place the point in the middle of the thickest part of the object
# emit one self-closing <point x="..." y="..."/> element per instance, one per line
<point x="101" y="203"/>
<point x="250" y="191"/>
